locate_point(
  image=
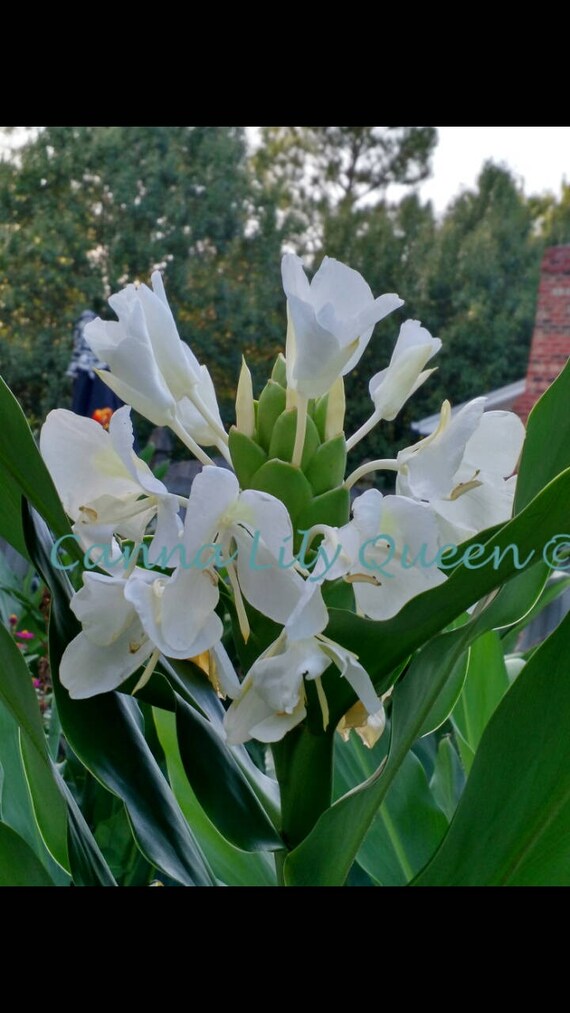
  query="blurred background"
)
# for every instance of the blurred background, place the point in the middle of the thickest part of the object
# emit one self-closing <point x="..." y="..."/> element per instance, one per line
<point x="453" y="219"/>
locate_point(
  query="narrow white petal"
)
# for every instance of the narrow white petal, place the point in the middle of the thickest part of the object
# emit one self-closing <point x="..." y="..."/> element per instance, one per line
<point x="225" y="671"/>
<point x="351" y="669"/>
<point x="310" y="615"/>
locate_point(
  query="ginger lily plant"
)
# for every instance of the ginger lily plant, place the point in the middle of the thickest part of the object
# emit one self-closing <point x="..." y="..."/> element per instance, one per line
<point x="278" y="606"/>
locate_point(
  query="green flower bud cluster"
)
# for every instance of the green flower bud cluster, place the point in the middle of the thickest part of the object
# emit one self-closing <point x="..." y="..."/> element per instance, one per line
<point x="314" y="492"/>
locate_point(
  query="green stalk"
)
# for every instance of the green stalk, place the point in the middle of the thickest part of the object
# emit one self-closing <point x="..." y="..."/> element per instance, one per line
<point x="304" y="768"/>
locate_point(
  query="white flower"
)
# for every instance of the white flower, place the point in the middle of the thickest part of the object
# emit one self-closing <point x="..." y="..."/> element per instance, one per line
<point x="242" y="532"/>
<point x="388" y="552"/>
<point x="462" y="469"/>
<point x="152" y="369"/>
<point x="122" y="628"/>
<point x="112" y="644"/>
<point x="272" y="696"/>
<point x="104" y="487"/>
<point x="391" y="387"/>
<point x="330" y="322"/>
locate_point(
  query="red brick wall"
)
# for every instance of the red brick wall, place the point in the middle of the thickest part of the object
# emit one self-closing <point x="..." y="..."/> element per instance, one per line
<point x="550" y="346"/>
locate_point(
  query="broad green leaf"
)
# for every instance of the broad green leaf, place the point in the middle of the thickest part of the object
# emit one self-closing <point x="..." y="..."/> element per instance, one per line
<point x="190" y="683"/>
<point x="18" y="863"/>
<point x="546" y="450"/>
<point x="418" y="695"/>
<point x="220" y="786"/>
<point x="105" y="733"/>
<point x="11" y="513"/>
<point x="448" y="778"/>
<point x="383" y="645"/>
<point x="552" y="590"/>
<point x="327" y="468"/>
<point x="485" y="685"/>
<point x="407" y="829"/>
<point x="247" y="456"/>
<point x="19" y="697"/>
<point x="16" y="808"/>
<point x="345" y="824"/>
<point x="21" y="460"/>
<point x="230" y="865"/>
<point x="512" y="825"/>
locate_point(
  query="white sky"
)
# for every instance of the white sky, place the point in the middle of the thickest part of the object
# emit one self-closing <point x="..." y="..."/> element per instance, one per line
<point x="539" y="157"/>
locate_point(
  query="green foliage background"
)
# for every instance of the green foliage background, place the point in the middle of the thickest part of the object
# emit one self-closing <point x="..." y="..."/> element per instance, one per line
<point x="83" y="210"/>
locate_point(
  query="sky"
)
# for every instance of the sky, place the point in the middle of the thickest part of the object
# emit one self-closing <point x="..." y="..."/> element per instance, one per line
<point x="539" y="157"/>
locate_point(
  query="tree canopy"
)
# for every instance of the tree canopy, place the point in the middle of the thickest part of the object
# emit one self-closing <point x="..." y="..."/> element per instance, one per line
<point x="83" y="210"/>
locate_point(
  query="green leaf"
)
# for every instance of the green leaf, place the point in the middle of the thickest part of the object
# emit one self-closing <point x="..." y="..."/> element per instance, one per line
<point x="105" y="733"/>
<point x="11" y="514"/>
<point x="287" y="483"/>
<point x="190" y="683"/>
<point x="21" y="460"/>
<point x="406" y="831"/>
<point x="283" y="438"/>
<point x="448" y="778"/>
<point x="18" y="863"/>
<point x="279" y="371"/>
<point x="327" y="468"/>
<point x="546" y="450"/>
<point x="271" y="405"/>
<point x="383" y="645"/>
<point x="485" y="685"/>
<point x="230" y="865"/>
<point x="247" y="456"/>
<point x="219" y="784"/>
<point x="512" y="825"/>
<point x="19" y="697"/>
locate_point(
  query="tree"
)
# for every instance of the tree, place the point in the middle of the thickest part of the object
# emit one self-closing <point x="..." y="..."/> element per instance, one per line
<point x="86" y="209"/>
<point x="322" y="174"/>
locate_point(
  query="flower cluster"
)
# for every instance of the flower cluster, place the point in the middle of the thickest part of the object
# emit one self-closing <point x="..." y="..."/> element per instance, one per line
<point x="287" y="455"/>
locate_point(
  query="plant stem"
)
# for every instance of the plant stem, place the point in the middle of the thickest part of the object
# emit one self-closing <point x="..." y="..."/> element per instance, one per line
<point x="384" y="464"/>
<point x="363" y="431"/>
<point x="191" y="444"/>
<point x="302" y="406"/>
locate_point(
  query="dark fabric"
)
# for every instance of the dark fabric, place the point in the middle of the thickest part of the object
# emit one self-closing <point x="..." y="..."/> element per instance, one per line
<point x="83" y="360"/>
<point x="91" y="393"/>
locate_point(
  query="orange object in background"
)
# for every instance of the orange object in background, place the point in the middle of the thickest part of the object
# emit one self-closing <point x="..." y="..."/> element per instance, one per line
<point x="103" y="416"/>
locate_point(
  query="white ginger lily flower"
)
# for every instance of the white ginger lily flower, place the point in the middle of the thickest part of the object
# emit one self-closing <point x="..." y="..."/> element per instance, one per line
<point x="462" y="469"/>
<point x="115" y="640"/>
<point x="391" y="387"/>
<point x="104" y="487"/>
<point x="153" y="370"/>
<point x="330" y="322"/>
<point x="112" y="644"/>
<point x="388" y="552"/>
<point x="242" y="532"/>
<point x="272" y="696"/>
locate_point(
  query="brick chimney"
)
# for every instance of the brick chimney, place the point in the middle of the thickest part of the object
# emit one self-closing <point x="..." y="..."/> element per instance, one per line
<point x="550" y="346"/>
